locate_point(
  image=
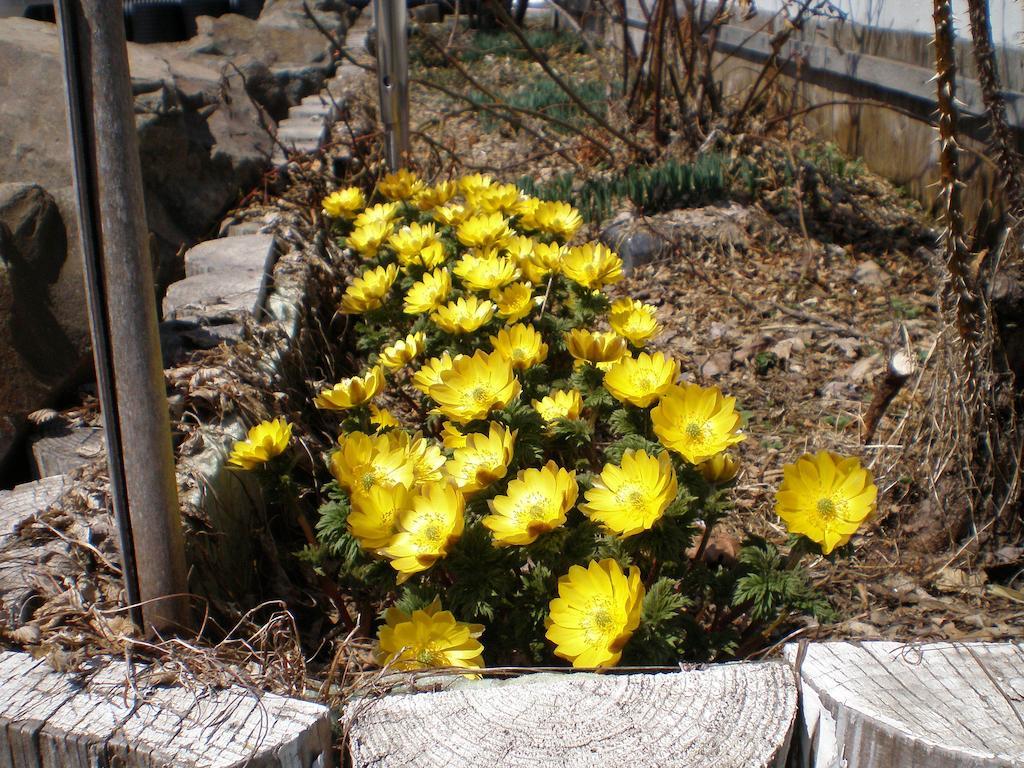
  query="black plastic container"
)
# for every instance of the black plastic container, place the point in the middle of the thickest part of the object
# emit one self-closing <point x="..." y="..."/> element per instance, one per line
<point x="41" y="12"/>
<point x="155" y="21"/>
<point x="250" y="8"/>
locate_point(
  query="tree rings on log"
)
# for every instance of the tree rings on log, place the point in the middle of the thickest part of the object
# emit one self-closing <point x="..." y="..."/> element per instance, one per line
<point x="935" y="705"/>
<point x="723" y="716"/>
<point x="113" y="717"/>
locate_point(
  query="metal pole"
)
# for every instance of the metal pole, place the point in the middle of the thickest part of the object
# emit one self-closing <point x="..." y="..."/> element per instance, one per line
<point x="391" y="19"/>
<point x="122" y="311"/>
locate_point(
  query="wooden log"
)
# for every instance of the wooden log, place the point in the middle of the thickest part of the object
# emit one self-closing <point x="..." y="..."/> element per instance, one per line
<point x="21" y="562"/>
<point x="51" y="720"/>
<point x="59" y="449"/>
<point x="724" y="716"/>
<point x="890" y="705"/>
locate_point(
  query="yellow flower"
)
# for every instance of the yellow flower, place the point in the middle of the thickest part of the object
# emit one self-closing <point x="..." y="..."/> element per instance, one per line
<point x="526" y="210"/>
<point x="536" y="502"/>
<point x="513" y="302"/>
<point x="411" y="239"/>
<point x="369" y="292"/>
<point x="428" y="530"/>
<point x="374" y="514"/>
<point x="362" y="462"/>
<point x="451" y="215"/>
<point x="596" y="612"/>
<point x="429" y="293"/>
<point x="472" y="183"/>
<point x="344" y="203"/>
<point x="719" y="469"/>
<point x="696" y="422"/>
<point x="497" y="198"/>
<point x="475" y="386"/>
<point x="559" y="404"/>
<point x="428" y="639"/>
<point x="485" y="230"/>
<point x="430" y="373"/>
<point x="631" y="497"/>
<point x="452" y="437"/>
<point x="381" y="212"/>
<point x="382" y="418"/>
<point x="558" y="219"/>
<point x="521" y="344"/>
<point x="592" y="265"/>
<point x="642" y="380"/>
<point x="634" y="321"/>
<point x="463" y="315"/>
<point x="826" y="498"/>
<point x="432" y="197"/>
<point x="368" y="238"/>
<point x="351" y="392"/>
<point x="400" y="185"/>
<point x="262" y="443"/>
<point x="425" y="455"/>
<point x="601" y="349"/>
<point x="520" y="247"/>
<point x="547" y="257"/>
<point x="481" y="459"/>
<point x="485" y="271"/>
<point x="402" y="351"/>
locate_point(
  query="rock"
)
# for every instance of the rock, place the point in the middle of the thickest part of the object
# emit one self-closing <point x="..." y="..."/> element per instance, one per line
<point x="226" y="280"/>
<point x="868" y="273"/>
<point x="44" y="332"/>
<point x="200" y="136"/>
<point x="57" y="449"/>
<point x="640" y="240"/>
<point x="282" y="55"/>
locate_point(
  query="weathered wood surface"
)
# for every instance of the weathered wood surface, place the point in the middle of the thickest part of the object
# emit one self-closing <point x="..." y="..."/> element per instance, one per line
<point x="25" y="501"/>
<point x="21" y="563"/>
<point x="53" y="720"/>
<point x="725" y="716"/>
<point x="59" y="450"/>
<point x="890" y="705"/>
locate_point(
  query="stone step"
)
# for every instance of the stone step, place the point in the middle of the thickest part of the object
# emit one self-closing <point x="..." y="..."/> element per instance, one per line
<point x="876" y="704"/>
<point x="722" y="716"/>
<point x="115" y="716"/>
<point x="225" y="277"/>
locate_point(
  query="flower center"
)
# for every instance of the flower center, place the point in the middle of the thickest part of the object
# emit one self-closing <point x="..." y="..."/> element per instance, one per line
<point x="644" y="381"/>
<point x="599" y="624"/>
<point x="430" y="657"/>
<point x="369" y="479"/>
<point x="695" y="430"/>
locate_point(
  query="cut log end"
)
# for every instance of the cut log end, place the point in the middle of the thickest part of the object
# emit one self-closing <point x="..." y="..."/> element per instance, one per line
<point x="729" y="715"/>
<point x="940" y="705"/>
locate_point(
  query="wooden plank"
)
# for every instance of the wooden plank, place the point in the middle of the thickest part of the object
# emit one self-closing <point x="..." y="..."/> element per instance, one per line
<point x="61" y="449"/>
<point x="53" y="720"/>
<point x="25" y="501"/>
<point x="888" y="704"/>
<point x="20" y="561"/>
<point x="724" y="716"/>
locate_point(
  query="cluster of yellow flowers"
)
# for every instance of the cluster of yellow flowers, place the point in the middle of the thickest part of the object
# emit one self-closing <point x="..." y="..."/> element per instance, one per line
<point x="477" y="286"/>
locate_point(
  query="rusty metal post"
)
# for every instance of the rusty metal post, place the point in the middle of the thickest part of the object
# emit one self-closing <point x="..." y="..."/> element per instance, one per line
<point x="391" y="20"/>
<point x="122" y="311"/>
